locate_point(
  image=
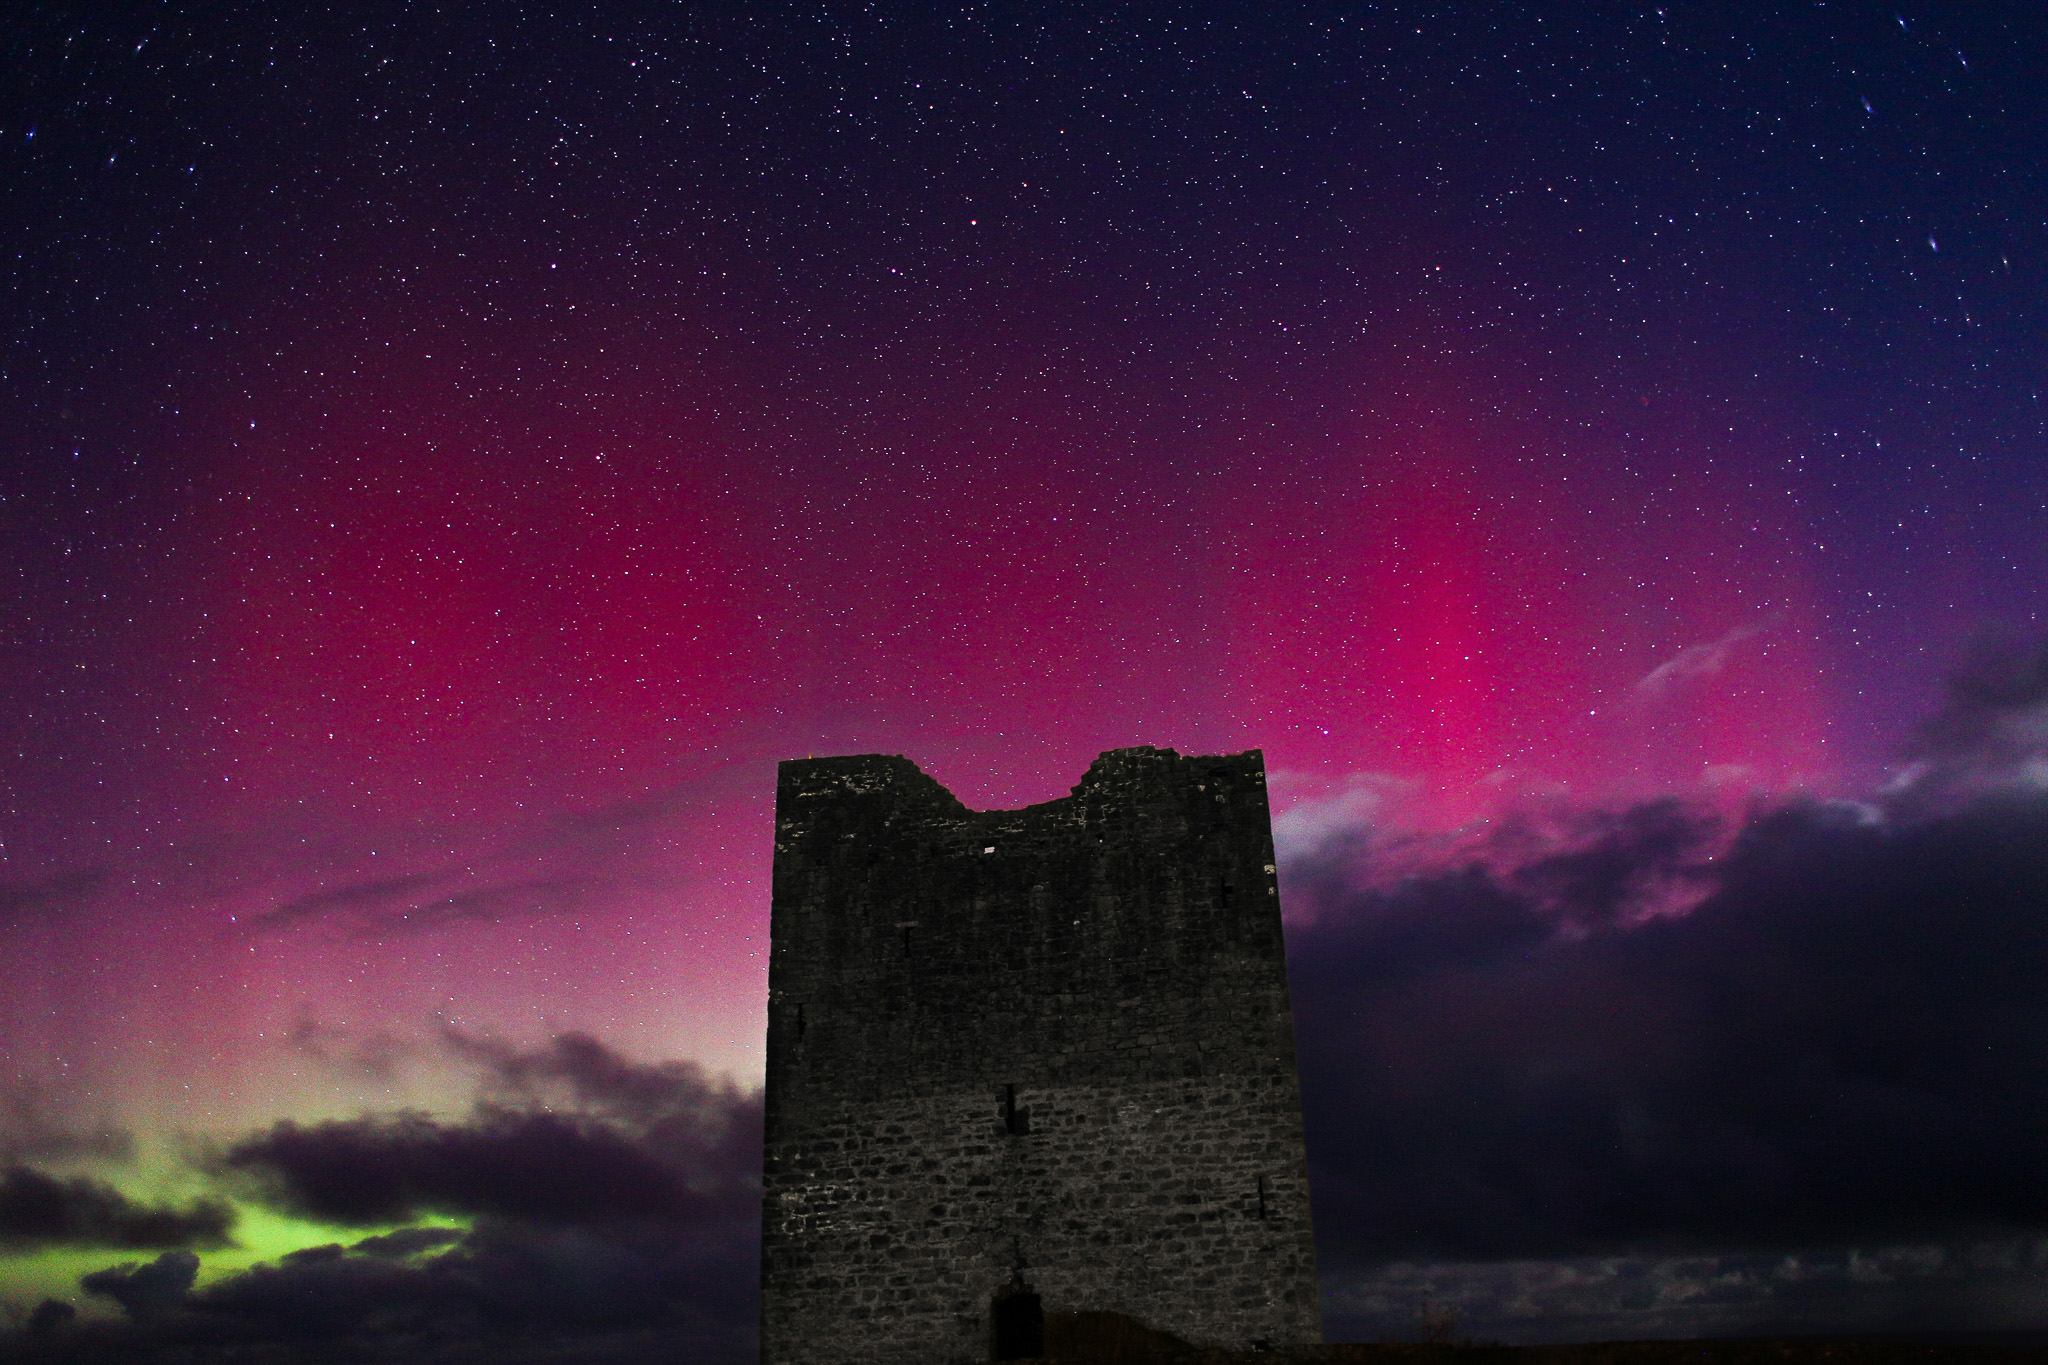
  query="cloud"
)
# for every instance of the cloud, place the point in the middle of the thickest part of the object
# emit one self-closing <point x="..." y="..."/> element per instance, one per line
<point x="619" y="826"/>
<point x="49" y="1317"/>
<point x="392" y="1168"/>
<point x="42" y="1210"/>
<point x="646" y="1095"/>
<point x="1611" y="868"/>
<point x="501" y="1279"/>
<point x="419" y="902"/>
<point x="1349" y="814"/>
<point x="487" y="904"/>
<point x="374" y="894"/>
<point x="621" y="1140"/>
<point x="1903" y="1288"/>
<point x="146" y="1291"/>
<point x="34" y="1125"/>
<point x="1557" y="869"/>
<point x="1990" y="735"/>
<point x="622" y="1224"/>
<point x="1839" y="1042"/>
<point x="1697" y="661"/>
<point x="378" y="1055"/>
<point x="406" y="1242"/>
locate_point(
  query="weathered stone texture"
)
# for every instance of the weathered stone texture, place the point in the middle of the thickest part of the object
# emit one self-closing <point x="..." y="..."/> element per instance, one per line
<point x="1050" y="1045"/>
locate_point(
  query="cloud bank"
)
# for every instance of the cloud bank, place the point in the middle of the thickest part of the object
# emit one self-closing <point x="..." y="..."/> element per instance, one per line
<point x="39" y="1210"/>
<point x="612" y="1211"/>
<point x="1637" y="1039"/>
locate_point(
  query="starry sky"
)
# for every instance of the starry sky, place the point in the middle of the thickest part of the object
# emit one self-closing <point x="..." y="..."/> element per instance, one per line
<point x="451" y="453"/>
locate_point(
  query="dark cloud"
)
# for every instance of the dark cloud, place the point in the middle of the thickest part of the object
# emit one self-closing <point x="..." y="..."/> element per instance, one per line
<point x="1905" y="1289"/>
<point x="388" y="1169"/>
<point x="597" y="1079"/>
<point x="49" y="1317"/>
<point x="622" y="1225"/>
<point x="146" y="1291"/>
<point x="42" y="1210"/>
<point x="502" y="1277"/>
<point x="1843" y="1042"/>
<point x="406" y="1242"/>
<point x="1990" y="734"/>
<point x="622" y="1140"/>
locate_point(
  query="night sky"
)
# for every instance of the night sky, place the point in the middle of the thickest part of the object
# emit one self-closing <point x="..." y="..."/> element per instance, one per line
<point x="451" y="453"/>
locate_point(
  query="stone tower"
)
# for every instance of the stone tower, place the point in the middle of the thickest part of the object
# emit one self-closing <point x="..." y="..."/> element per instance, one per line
<point x="1031" y="1062"/>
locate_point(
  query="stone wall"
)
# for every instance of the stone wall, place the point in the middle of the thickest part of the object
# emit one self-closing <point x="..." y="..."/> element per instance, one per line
<point x="1046" y="1048"/>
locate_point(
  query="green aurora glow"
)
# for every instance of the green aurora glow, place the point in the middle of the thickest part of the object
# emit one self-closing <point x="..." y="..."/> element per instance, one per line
<point x="31" y="1274"/>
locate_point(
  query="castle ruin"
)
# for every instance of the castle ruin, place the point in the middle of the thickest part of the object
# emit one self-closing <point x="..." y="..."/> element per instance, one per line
<point x="1029" y="1063"/>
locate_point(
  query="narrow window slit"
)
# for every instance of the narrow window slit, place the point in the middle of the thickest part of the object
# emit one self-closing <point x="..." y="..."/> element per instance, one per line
<point x="1016" y="1121"/>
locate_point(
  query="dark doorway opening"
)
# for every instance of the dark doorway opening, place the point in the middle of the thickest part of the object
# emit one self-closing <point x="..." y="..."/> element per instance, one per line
<point x="1018" y="1324"/>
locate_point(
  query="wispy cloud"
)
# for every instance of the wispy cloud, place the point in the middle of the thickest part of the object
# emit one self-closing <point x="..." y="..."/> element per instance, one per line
<point x="418" y="902"/>
<point x="38" y="1123"/>
<point x="373" y="895"/>
<point x="1699" y="661"/>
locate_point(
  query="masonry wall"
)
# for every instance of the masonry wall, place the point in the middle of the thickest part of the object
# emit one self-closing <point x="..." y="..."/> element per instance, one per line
<point x="1048" y="1047"/>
